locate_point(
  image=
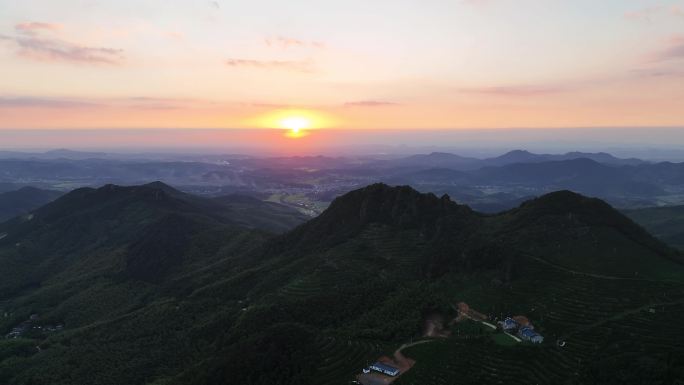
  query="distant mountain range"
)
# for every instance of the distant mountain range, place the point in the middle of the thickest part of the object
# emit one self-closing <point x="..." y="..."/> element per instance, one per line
<point x="456" y="162"/>
<point x="53" y="154"/>
<point x="615" y="183"/>
<point x="522" y="156"/>
<point x="309" y="183"/>
<point x="154" y="286"/>
<point x="441" y="158"/>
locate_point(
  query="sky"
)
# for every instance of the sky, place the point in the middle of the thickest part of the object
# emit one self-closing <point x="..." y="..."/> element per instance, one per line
<point x="353" y="64"/>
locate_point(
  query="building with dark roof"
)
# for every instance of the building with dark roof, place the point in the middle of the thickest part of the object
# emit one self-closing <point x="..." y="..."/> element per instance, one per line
<point x="509" y="324"/>
<point x="528" y="334"/>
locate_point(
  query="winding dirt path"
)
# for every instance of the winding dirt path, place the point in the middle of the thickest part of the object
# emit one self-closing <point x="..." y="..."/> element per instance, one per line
<point x="404" y="346"/>
<point x="599" y="276"/>
<point x="620" y="316"/>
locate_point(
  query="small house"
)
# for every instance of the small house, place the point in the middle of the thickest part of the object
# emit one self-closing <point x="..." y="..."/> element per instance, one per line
<point x="509" y="324"/>
<point x="385" y="369"/>
<point x="528" y="334"/>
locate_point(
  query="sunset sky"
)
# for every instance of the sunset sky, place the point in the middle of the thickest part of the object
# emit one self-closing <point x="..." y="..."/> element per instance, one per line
<point x="353" y="64"/>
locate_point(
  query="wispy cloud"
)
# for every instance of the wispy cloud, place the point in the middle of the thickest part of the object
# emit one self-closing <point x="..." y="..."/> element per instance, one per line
<point x="30" y="102"/>
<point x="34" y="27"/>
<point x="370" y="103"/>
<point x="658" y="73"/>
<point x="289" y="42"/>
<point x="649" y="14"/>
<point x="153" y="103"/>
<point x="41" y="41"/>
<point x="265" y="105"/>
<point x="672" y="50"/>
<point x="644" y="14"/>
<point x="517" y="91"/>
<point x="215" y="4"/>
<point x="289" y="65"/>
<point x="135" y="103"/>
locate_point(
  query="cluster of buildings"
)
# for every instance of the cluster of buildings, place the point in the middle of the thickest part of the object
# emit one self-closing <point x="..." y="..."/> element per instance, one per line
<point x="27" y="325"/>
<point x="522" y="327"/>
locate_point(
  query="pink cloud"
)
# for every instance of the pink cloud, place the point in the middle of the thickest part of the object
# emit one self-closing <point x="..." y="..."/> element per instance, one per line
<point x="370" y="103"/>
<point x="644" y="14"/>
<point x="290" y="65"/>
<point x="517" y="91"/>
<point x="650" y="13"/>
<point x="673" y="50"/>
<point x="35" y="27"/>
<point x="658" y="73"/>
<point x="288" y="42"/>
<point x="34" y="43"/>
<point x="265" y="105"/>
<point x="53" y="50"/>
<point x="154" y="103"/>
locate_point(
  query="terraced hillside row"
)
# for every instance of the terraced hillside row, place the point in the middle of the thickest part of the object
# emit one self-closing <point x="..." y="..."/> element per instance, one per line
<point x="343" y="358"/>
<point x="592" y="317"/>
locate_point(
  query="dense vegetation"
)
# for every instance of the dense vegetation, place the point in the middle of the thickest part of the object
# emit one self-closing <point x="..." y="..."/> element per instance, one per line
<point x="157" y="287"/>
<point x="19" y="202"/>
<point x="666" y="223"/>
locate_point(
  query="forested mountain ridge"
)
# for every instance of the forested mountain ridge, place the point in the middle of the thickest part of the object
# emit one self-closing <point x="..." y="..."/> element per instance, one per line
<point x="157" y="287"/>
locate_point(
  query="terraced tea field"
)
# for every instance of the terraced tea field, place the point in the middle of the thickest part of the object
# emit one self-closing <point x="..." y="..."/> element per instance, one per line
<point x="590" y="314"/>
<point x="344" y="358"/>
<point x="594" y="317"/>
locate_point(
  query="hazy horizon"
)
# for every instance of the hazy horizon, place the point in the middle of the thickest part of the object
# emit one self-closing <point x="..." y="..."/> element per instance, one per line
<point x="647" y="143"/>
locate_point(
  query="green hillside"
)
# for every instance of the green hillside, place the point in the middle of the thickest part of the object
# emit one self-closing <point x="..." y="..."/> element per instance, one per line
<point x="22" y="201"/>
<point x="254" y="213"/>
<point x="666" y="223"/>
<point x="155" y="287"/>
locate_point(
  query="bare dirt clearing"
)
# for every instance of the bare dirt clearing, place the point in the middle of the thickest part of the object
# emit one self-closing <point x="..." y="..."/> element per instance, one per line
<point x="434" y="327"/>
<point x="398" y="360"/>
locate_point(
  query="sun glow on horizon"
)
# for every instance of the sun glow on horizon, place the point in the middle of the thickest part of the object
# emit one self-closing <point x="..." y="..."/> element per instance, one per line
<point x="295" y="125"/>
<point x="297" y="122"/>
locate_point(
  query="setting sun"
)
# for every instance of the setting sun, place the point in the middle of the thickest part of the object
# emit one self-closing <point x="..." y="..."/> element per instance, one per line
<point x="297" y="122"/>
<point x="295" y="125"/>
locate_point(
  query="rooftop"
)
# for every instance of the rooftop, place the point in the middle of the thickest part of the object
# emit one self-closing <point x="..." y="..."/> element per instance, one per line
<point x="383" y="366"/>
